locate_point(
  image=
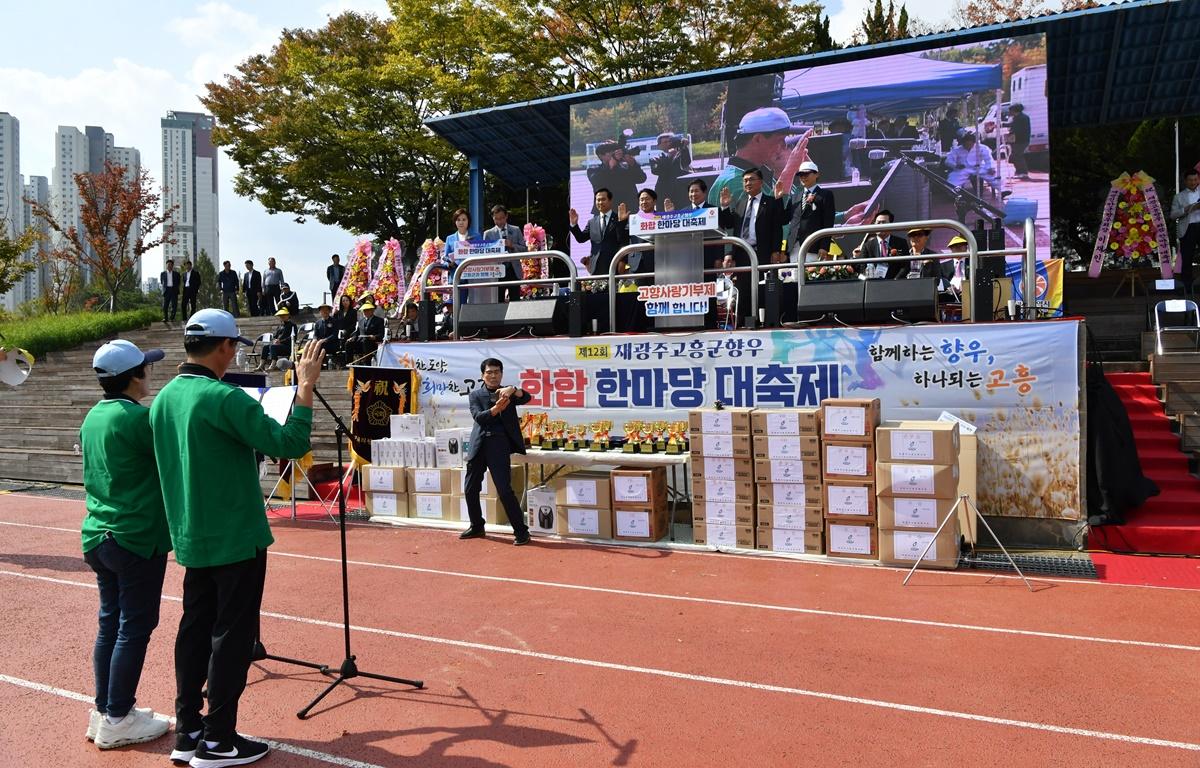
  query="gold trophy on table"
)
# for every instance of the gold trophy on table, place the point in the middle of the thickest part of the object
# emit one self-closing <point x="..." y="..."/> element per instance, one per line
<point x="633" y="431"/>
<point x="600" y="433"/>
<point x="660" y="435"/>
<point x="676" y="442"/>
<point x="572" y="436"/>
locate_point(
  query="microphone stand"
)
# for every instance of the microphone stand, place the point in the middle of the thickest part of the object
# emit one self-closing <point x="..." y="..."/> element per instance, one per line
<point x="348" y="669"/>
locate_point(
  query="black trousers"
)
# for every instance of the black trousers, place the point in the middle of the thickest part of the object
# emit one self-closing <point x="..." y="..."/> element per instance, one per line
<point x="189" y="300"/>
<point x="170" y="302"/>
<point x="512" y="291"/>
<point x="270" y="295"/>
<point x="215" y="642"/>
<point x="493" y="457"/>
<point x="1187" y="251"/>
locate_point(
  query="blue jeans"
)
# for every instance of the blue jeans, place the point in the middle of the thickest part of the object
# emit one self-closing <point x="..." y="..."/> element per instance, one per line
<point x="130" y="592"/>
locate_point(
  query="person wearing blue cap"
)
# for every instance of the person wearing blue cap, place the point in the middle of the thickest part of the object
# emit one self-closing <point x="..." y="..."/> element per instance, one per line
<point x="125" y="541"/>
<point x="761" y="143"/>
<point x="206" y="433"/>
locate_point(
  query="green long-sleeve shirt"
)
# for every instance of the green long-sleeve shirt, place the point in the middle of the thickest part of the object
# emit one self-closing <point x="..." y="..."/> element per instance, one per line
<point x="205" y="436"/>
<point x="121" y="479"/>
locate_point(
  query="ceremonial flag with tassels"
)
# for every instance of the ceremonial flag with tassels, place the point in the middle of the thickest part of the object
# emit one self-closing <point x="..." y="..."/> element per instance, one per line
<point x="377" y="394"/>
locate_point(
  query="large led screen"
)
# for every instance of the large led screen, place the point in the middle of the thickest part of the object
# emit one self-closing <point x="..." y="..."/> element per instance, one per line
<point x="958" y="133"/>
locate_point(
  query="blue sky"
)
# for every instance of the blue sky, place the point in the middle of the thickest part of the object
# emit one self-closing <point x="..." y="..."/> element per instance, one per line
<point x="122" y="64"/>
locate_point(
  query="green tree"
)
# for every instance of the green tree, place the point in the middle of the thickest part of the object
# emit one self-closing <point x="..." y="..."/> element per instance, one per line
<point x="210" y="294"/>
<point x="902" y="23"/>
<point x="13" y="265"/>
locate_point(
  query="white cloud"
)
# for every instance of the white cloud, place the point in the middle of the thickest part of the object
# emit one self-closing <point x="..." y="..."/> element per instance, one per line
<point x="213" y="25"/>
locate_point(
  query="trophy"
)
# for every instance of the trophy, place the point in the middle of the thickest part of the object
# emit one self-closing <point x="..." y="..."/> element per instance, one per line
<point x="570" y="443"/>
<point x="646" y="442"/>
<point x="554" y="431"/>
<point x="660" y="435"/>
<point x="676" y="441"/>
<point x="600" y="432"/>
<point x="632" y="436"/>
<point x="527" y="420"/>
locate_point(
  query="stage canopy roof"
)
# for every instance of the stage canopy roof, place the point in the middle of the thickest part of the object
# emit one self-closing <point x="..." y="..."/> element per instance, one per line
<point x="1113" y="64"/>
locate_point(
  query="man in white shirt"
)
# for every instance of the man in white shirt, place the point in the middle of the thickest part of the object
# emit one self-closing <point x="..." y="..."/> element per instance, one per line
<point x="971" y="160"/>
<point x="1185" y="210"/>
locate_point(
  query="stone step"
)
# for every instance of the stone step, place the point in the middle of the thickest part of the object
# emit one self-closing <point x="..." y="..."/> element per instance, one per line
<point x="1180" y="397"/>
<point x="1189" y="431"/>
<point x="1172" y="342"/>
<point x="1181" y="366"/>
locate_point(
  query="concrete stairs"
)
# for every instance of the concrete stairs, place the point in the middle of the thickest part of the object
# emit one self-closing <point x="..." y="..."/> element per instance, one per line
<point x="40" y="419"/>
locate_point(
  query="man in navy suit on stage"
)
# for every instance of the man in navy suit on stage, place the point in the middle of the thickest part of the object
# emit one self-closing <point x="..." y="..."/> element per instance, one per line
<point x="495" y="436"/>
<point x="607" y="231"/>
<point x="758" y="218"/>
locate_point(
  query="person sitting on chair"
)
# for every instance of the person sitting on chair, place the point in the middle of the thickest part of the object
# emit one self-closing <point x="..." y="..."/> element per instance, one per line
<point x="288" y="298"/>
<point x="281" y="340"/>
<point x="970" y="162"/>
<point x="368" y="335"/>
<point x="326" y="329"/>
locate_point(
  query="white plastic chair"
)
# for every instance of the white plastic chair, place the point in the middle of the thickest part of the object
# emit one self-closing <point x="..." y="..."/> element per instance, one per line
<point x="1185" y="307"/>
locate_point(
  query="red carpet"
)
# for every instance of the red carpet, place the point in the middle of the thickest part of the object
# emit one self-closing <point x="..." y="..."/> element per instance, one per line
<point x="1170" y="522"/>
<point x="315" y="509"/>
<point x="1139" y="570"/>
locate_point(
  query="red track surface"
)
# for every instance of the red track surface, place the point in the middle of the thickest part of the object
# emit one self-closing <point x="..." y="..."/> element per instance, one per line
<point x="618" y="656"/>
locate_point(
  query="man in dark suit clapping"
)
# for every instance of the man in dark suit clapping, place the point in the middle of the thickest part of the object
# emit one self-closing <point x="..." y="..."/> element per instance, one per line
<point x="169" y="280"/>
<point x="495" y="436"/>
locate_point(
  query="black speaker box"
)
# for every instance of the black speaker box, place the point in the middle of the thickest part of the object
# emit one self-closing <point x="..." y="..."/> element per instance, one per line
<point x="544" y="317"/>
<point x="909" y="300"/>
<point x="843" y="298"/>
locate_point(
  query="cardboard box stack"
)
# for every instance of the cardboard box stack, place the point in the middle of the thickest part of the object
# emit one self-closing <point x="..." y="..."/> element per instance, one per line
<point x="639" y="503"/>
<point x="429" y="494"/>
<point x="918" y="481"/>
<point x="722" y="458"/>
<point x="787" y="475"/>
<point x="489" y="501"/>
<point x="386" y="490"/>
<point x="583" y="505"/>
<point x="848" y="465"/>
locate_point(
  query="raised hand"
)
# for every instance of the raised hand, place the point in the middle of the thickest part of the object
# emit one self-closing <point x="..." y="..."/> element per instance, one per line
<point x="668" y="205"/>
<point x="726" y="197"/>
<point x="622" y="212"/>
<point x="573" y="216"/>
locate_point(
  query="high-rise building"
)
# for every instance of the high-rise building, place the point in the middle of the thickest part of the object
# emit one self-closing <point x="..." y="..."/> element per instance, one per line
<point x="37" y="190"/>
<point x="12" y="211"/>
<point x="190" y="183"/>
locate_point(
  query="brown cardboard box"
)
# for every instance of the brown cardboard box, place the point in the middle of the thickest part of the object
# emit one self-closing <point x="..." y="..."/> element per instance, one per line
<point x="936" y="481"/>
<point x="793" y="494"/>
<point x="791" y="518"/>
<point x="720" y="446"/>
<point x="708" y="489"/>
<point x="788" y="471"/>
<point x="428" y="480"/>
<point x="809" y="541"/>
<point x="912" y="513"/>
<point x="786" y="421"/>
<point x="904" y="547"/>
<point x="432" y="506"/>
<point x="384" y="479"/>
<point x="849" y="500"/>
<point x="492" y="509"/>
<point x="724" y="512"/>
<point x="720" y="535"/>
<point x="585" y="523"/>
<point x="458" y="483"/>
<point x="849" y="419"/>
<point x="644" y="487"/>
<point x="967" y="472"/>
<point x="851" y="540"/>
<point x="727" y="421"/>
<point x="722" y="469"/>
<point x="640" y="524"/>
<point x="918" y="442"/>
<point x="795" y="447"/>
<point x="847" y="461"/>
<point x="584" y="489"/>
<point x="387" y="504"/>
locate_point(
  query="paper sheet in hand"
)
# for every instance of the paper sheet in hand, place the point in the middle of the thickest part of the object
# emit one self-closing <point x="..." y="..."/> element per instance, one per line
<point x="15" y="367"/>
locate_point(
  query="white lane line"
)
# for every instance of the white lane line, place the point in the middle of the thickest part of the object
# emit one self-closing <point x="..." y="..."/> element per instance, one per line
<point x="279" y="746"/>
<point x="756" y="606"/>
<point x="742" y="604"/>
<point x="721" y="681"/>
<point x="797" y="561"/>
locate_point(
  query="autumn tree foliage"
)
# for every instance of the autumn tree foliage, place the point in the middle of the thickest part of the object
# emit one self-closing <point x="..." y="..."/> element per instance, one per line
<point x="108" y="246"/>
<point x="13" y="265"/>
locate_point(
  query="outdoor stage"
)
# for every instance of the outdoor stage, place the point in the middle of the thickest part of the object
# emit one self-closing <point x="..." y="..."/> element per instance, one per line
<point x="562" y="653"/>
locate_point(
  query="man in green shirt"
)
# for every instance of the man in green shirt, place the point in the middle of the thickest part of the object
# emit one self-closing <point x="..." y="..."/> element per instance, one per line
<point x="206" y="433"/>
<point x="125" y="541"/>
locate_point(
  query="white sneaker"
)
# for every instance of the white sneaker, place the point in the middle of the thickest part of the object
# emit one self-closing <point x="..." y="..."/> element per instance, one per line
<point x="95" y="717"/>
<point x="135" y="728"/>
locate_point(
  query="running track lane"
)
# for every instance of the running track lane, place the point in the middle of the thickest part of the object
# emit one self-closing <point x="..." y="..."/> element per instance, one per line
<point x="483" y="664"/>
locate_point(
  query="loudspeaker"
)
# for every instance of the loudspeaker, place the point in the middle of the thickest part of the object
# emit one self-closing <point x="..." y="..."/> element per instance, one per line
<point x="574" y="302"/>
<point x="544" y="317"/>
<point x="770" y="299"/>
<point x="426" y="320"/>
<point x="908" y="300"/>
<point x="843" y="298"/>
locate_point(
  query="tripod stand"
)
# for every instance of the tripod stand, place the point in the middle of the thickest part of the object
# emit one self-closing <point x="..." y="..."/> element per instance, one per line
<point x="348" y="669"/>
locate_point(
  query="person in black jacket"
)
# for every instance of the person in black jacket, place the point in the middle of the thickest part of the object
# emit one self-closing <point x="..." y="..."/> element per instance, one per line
<point x="288" y="298"/>
<point x="281" y="340"/>
<point x="880" y="243"/>
<point x="190" y="282"/>
<point x="495" y="436"/>
<point x="368" y="334"/>
<point x="333" y="273"/>
<point x="607" y="232"/>
<point x="227" y="281"/>
<point x="168" y="279"/>
<point x="344" y="321"/>
<point x="811" y="210"/>
<point x="918" y="245"/>
<point x="675" y="161"/>
<point x="758" y="218"/>
<point x="1022" y="131"/>
<point x="252" y="287"/>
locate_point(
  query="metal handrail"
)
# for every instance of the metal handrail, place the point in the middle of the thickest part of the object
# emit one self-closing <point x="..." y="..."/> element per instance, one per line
<point x="1028" y="252"/>
<point x="753" y="269"/>
<point x="455" y="279"/>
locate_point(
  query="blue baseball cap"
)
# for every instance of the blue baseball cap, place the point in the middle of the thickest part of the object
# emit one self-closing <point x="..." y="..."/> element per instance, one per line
<point x="214" y="323"/>
<point x="120" y="356"/>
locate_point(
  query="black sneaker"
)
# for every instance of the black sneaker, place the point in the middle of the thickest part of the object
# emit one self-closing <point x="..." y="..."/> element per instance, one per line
<point x="521" y="541"/>
<point x="185" y="748"/>
<point x="472" y="533"/>
<point x="235" y="751"/>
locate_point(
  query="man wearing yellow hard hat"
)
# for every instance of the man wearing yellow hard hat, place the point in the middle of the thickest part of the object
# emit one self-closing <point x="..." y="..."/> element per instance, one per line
<point x="368" y="334"/>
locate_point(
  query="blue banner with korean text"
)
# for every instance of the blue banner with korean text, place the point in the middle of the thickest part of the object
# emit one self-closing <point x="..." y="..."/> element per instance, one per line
<point x="1018" y="382"/>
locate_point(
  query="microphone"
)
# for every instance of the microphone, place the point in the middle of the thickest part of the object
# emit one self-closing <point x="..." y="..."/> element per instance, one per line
<point x="284" y="364"/>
